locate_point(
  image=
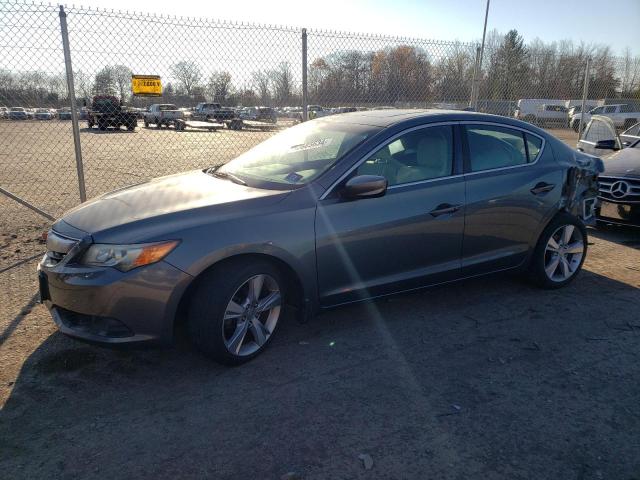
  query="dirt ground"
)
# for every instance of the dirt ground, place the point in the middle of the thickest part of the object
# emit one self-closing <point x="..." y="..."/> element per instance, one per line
<point x="489" y="378"/>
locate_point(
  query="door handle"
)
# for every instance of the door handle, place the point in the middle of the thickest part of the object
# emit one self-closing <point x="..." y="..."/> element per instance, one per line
<point x="443" y="209"/>
<point x="542" y="188"/>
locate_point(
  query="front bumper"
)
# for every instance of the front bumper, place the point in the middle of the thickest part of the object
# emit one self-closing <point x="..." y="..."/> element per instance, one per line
<point x="105" y="305"/>
<point x="619" y="213"/>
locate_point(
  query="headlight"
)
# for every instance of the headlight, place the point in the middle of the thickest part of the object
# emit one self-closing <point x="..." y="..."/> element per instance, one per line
<point x="127" y="257"/>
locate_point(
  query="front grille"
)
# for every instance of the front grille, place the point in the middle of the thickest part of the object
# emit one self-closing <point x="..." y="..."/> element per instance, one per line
<point x="620" y="189"/>
<point x="93" y="324"/>
<point x="58" y="246"/>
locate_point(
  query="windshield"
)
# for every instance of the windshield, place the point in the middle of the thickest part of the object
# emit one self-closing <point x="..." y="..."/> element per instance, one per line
<point x="299" y="154"/>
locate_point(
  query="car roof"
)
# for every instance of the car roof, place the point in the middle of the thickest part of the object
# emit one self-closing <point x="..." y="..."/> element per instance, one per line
<point x="388" y="118"/>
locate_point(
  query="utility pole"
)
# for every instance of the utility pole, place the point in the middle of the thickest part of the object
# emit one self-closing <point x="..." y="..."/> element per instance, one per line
<point x="484" y="35"/>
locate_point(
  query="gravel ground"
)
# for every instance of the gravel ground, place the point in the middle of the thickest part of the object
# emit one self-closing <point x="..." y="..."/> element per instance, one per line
<point x="486" y="378"/>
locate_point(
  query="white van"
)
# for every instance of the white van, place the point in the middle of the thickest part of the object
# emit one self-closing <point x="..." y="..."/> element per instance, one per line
<point x="542" y="111"/>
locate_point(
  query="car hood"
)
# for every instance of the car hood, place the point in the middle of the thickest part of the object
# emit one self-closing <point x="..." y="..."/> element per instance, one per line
<point x="188" y="197"/>
<point x="624" y="163"/>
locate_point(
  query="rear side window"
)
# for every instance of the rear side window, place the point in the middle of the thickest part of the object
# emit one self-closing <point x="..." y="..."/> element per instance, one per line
<point x="493" y="147"/>
<point x="534" y="144"/>
<point x="610" y="109"/>
<point x="627" y="109"/>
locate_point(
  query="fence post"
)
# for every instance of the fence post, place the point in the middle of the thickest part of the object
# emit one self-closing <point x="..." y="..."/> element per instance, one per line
<point x="585" y="93"/>
<point x="305" y="97"/>
<point x="72" y="100"/>
<point x="473" y="102"/>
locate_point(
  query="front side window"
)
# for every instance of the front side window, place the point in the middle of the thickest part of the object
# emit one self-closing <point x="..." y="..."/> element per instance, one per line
<point x="597" y="111"/>
<point x="422" y="154"/>
<point x="626" y="109"/>
<point x="610" y="110"/>
<point x="495" y="147"/>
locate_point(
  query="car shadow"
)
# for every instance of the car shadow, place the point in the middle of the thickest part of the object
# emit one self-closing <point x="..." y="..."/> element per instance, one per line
<point x="620" y="234"/>
<point x="109" y="131"/>
<point x="488" y="375"/>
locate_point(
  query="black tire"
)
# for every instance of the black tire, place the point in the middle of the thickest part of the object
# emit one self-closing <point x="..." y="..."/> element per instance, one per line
<point x="537" y="271"/>
<point x="158" y="123"/>
<point x="209" y="302"/>
<point x="102" y="125"/>
<point x="628" y="123"/>
<point x="131" y="126"/>
<point x="531" y="119"/>
<point x="146" y="123"/>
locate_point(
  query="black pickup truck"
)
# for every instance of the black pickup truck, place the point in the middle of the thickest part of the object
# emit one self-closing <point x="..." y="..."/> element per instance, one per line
<point x="107" y="111"/>
<point x="213" y="112"/>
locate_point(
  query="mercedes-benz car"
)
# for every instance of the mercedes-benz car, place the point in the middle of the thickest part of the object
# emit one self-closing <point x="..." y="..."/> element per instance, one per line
<point x="619" y="201"/>
<point x="336" y="210"/>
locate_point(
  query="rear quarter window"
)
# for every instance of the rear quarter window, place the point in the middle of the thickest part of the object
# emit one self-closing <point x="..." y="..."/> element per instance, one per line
<point x="534" y="145"/>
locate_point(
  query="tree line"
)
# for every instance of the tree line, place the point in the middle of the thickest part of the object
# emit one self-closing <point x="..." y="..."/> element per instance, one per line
<point x="401" y="74"/>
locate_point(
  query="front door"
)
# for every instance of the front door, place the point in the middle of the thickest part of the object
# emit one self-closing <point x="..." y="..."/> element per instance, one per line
<point x="410" y="237"/>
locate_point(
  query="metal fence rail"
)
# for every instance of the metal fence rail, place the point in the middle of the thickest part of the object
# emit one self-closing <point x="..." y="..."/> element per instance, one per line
<point x="54" y="61"/>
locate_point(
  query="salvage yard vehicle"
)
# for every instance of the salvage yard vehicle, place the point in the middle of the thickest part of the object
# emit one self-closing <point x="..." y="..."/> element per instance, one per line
<point x="542" y="112"/>
<point x="107" y="111"/>
<point x="18" y="113"/>
<point x="619" y="199"/>
<point x="622" y="115"/>
<point x="213" y="112"/>
<point x="162" y="114"/>
<point x="336" y="210"/>
<point x="44" y="114"/>
<point x="574" y="118"/>
<point x="64" y="114"/>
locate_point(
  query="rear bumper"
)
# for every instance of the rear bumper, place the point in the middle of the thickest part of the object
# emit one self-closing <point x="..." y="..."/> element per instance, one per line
<point x="619" y="213"/>
<point x="104" y="305"/>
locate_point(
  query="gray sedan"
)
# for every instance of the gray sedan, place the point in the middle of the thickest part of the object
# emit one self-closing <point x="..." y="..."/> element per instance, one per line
<point x="336" y="210"/>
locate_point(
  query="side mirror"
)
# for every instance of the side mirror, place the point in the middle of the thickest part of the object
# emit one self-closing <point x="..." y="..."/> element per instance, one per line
<point x="364" y="186"/>
<point x="609" y="144"/>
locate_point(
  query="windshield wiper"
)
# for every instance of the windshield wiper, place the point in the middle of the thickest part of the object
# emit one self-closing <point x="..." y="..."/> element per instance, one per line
<point x="228" y="176"/>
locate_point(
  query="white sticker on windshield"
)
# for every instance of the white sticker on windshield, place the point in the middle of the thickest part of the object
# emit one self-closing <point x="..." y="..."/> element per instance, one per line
<point x="323" y="142"/>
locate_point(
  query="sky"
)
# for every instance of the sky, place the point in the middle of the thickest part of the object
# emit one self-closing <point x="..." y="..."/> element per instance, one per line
<point x="549" y="20"/>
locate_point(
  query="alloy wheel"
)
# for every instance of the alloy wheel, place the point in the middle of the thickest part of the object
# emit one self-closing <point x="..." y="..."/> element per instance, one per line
<point x="563" y="253"/>
<point x="251" y="315"/>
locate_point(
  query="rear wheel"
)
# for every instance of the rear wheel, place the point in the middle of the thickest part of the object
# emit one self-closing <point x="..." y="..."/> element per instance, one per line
<point x="235" y="310"/>
<point x="629" y="122"/>
<point x="560" y="252"/>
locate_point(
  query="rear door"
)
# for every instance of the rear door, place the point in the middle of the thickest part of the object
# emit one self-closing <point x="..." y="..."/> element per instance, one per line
<point x="512" y="184"/>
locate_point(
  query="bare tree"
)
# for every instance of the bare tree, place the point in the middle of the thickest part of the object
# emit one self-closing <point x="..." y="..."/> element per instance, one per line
<point x="219" y="86"/>
<point x="282" y="83"/>
<point x="262" y="84"/>
<point x="122" y="81"/>
<point x="188" y="76"/>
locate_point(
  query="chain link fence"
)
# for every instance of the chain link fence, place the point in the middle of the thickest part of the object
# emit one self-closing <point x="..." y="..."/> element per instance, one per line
<point x="226" y="87"/>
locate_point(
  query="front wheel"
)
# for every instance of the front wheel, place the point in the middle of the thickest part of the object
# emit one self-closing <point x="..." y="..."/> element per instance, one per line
<point x="560" y="252"/>
<point x="235" y="310"/>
